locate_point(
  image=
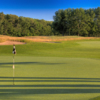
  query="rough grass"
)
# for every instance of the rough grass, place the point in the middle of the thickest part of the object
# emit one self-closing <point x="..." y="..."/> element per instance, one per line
<point x="44" y="38"/>
<point x="51" y="71"/>
<point x="79" y="49"/>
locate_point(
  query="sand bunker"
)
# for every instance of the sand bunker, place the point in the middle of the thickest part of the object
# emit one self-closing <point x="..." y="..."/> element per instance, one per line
<point x="11" y="43"/>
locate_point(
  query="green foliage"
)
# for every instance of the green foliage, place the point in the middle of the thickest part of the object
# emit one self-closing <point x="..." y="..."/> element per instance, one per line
<point x="22" y="26"/>
<point x="77" y="22"/>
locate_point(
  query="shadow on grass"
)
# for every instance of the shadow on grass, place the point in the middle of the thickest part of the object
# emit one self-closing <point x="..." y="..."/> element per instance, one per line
<point x="96" y="98"/>
<point x="24" y="63"/>
<point x="47" y="91"/>
<point x="48" y="79"/>
<point x="8" y="91"/>
<point x="60" y="85"/>
<point x="72" y="78"/>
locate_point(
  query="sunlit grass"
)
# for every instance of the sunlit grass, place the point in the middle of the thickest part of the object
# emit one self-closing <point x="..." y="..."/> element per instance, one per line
<point x="62" y="78"/>
<point x="79" y="49"/>
<point x="51" y="71"/>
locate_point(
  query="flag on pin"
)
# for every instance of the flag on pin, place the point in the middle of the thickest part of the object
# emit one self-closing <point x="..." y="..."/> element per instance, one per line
<point x="14" y="49"/>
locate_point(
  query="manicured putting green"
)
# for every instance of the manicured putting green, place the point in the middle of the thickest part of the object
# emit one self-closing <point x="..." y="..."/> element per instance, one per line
<point x="51" y="71"/>
<point x="49" y="78"/>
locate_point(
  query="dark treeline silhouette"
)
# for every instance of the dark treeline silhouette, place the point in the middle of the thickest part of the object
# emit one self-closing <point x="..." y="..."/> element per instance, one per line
<point x="81" y="22"/>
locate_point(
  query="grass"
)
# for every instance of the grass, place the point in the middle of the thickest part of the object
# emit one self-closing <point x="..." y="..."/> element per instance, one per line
<point x="79" y="49"/>
<point x="97" y="98"/>
<point x="51" y="71"/>
<point x="44" y="38"/>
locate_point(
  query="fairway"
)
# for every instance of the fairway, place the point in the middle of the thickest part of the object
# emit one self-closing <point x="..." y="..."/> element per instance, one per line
<point x="51" y="71"/>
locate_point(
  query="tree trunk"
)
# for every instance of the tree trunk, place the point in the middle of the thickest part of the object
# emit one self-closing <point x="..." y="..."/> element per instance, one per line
<point x="69" y="32"/>
<point x="63" y="33"/>
<point x="78" y="30"/>
<point x="78" y="33"/>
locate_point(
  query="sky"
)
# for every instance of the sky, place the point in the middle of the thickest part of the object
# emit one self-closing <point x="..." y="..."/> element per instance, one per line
<point x="43" y="9"/>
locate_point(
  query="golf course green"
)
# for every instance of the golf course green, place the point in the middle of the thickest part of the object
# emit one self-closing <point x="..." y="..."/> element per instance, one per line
<point x="67" y="70"/>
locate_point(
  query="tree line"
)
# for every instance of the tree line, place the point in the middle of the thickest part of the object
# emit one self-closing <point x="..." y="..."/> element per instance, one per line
<point x="81" y="22"/>
<point x="23" y="26"/>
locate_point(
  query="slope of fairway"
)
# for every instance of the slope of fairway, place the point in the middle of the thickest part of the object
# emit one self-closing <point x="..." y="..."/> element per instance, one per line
<point x="96" y="98"/>
<point x="83" y="49"/>
<point x="51" y="71"/>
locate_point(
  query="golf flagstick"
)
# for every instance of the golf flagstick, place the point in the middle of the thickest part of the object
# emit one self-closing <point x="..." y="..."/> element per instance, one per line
<point x="14" y="52"/>
<point x="13" y="69"/>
